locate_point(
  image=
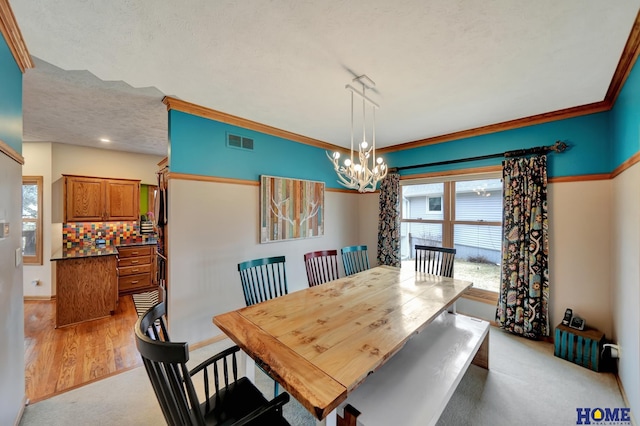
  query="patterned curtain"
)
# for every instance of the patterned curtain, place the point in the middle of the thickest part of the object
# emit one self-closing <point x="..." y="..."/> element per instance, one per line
<point x="389" y="223"/>
<point x="524" y="290"/>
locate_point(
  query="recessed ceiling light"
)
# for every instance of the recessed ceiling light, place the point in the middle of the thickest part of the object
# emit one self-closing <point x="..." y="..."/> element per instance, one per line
<point x="104" y="140"/>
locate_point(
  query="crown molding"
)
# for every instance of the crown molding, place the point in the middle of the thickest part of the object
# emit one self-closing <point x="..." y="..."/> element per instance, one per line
<point x="13" y="37"/>
<point x="190" y="108"/>
<point x="627" y="60"/>
<point x="506" y="125"/>
<point x="11" y="153"/>
<point x="625" y="64"/>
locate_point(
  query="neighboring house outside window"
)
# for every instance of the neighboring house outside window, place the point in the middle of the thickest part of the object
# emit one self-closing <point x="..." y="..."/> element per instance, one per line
<point x="32" y="220"/>
<point x="461" y="211"/>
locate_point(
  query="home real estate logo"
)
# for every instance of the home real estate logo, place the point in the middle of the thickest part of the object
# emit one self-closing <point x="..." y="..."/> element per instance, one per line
<point x="606" y="416"/>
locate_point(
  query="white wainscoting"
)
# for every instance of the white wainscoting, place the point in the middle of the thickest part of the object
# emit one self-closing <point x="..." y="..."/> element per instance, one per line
<point x="214" y="226"/>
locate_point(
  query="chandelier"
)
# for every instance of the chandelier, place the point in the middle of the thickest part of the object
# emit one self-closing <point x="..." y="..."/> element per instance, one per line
<point x="364" y="172"/>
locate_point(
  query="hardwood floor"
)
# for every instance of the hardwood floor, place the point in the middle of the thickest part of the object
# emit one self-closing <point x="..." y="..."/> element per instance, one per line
<point x="57" y="360"/>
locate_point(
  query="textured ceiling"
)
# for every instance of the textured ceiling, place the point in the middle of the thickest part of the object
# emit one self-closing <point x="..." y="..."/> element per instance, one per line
<point x="440" y="66"/>
<point x="78" y="108"/>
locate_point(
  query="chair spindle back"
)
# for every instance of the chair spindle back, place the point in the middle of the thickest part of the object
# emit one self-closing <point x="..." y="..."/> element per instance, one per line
<point x="322" y="266"/>
<point x="263" y="279"/>
<point x="354" y="259"/>
<point x="435" y="260"/>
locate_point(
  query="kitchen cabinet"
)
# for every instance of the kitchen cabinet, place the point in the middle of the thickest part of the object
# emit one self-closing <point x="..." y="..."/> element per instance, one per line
<point x="136" y="269"/>
<point x="92" y="199"/>
<point x="86" y="289"/>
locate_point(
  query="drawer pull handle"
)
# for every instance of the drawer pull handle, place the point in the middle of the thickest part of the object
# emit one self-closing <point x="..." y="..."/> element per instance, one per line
<point x="134" y="282"/>
<point x="134" y="270"/>
<point x="134" y="252"/>
<point x="134" y="261"/>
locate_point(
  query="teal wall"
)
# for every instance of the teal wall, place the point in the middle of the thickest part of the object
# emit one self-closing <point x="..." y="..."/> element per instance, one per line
<point x="198" y="146"/>
<point x="10" y="99"/>
<point x="625" y="119"/>
<point x="598" y="143"/>
<point x="588" y="137"/>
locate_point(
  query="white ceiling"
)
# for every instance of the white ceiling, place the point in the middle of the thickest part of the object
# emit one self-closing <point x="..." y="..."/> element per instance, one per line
<point x="440" y="66"/>
<point x="78" y="108"/>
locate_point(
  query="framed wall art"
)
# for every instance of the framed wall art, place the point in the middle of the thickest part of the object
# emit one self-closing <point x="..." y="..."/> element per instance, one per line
<point x="290" y="209"/>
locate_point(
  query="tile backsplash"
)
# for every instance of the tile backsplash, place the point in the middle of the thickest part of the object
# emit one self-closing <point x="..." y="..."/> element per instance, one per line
<point x="115" y="233"/>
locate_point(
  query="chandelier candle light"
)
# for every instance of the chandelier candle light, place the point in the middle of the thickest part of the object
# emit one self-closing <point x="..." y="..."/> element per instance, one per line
<point x="361" y="175"/>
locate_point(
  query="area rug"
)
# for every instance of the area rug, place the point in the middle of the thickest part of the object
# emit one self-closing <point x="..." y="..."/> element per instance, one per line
<point x="143" y="301"/>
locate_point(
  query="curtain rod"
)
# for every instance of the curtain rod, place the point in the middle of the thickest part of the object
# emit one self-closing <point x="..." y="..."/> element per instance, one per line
<point x="556" y="147"/>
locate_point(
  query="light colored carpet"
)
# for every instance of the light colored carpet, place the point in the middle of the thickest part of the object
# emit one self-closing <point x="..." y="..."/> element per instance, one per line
<point x="526" y="385"/>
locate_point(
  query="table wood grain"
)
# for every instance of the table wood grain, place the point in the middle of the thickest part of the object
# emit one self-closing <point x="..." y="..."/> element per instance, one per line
<point x="320" y="343"/>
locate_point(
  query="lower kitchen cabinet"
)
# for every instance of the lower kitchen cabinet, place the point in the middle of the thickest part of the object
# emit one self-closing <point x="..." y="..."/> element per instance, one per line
<point x="86" y="289"/>
<point x="136" y="269"/>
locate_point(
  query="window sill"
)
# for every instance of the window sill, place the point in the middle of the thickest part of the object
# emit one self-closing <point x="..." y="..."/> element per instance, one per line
<point x="482" y="296"/>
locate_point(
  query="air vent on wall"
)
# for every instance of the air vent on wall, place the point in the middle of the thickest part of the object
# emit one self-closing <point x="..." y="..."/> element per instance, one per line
<point x="241" y="142"/>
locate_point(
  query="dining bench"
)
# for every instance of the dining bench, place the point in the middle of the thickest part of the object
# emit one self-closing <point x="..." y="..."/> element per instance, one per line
<point x="415" y="385"/>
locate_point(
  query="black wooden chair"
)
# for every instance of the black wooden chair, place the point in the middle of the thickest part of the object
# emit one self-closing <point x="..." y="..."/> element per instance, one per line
<point x="263" y="279"/>
<point x="435" y="260"/>
<point x="354" y="259"/>
<point x="236" y="401"/>
<point x="322" y="266"/>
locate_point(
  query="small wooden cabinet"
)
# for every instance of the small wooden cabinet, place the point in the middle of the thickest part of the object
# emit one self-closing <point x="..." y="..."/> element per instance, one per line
<point x="92" y="199"/>
<point x="136" y="269"/>
<point x="582" y="347"/>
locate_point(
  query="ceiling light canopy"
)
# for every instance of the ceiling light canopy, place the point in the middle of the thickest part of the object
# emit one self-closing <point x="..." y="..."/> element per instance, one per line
<point x="364" y="172"/>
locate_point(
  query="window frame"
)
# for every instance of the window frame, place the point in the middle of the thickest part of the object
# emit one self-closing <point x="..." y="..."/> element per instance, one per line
<point x="448" y="221"/>
<point x="37" y="258"/>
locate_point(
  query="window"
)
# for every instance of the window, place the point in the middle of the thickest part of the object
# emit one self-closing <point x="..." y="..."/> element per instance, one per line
<point x="434" y="204"/>
<point x="464" y="212"/>
<point x="32" y="220"/>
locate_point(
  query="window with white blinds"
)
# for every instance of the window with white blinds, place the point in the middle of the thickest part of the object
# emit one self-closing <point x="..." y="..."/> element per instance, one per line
<point x="464" y="212"/>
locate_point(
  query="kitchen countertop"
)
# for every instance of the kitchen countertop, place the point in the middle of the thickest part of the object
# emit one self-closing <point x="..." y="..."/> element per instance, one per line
<point x="82" y="251"/>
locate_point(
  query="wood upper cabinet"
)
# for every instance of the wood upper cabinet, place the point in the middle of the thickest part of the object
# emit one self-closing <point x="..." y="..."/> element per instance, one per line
<point x="84" y="199"/>
<point x="91" y="199"/>
<point x="123" y="199"/>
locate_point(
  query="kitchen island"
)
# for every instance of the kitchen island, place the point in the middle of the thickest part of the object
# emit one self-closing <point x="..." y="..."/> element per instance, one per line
<point x="87" y="281"/>
<point x="86" y="284"/>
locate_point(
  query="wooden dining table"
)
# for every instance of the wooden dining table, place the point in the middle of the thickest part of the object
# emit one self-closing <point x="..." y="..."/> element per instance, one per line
<point x="322" y="342"/>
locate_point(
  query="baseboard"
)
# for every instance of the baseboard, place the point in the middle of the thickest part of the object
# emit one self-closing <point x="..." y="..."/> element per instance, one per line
<point x="25" y="402"/>
<point x="625" y="399"/>
<point x="38" y="298"/>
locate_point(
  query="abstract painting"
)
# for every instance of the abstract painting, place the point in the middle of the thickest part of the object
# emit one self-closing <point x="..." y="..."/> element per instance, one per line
<point x="290" y="209"/>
